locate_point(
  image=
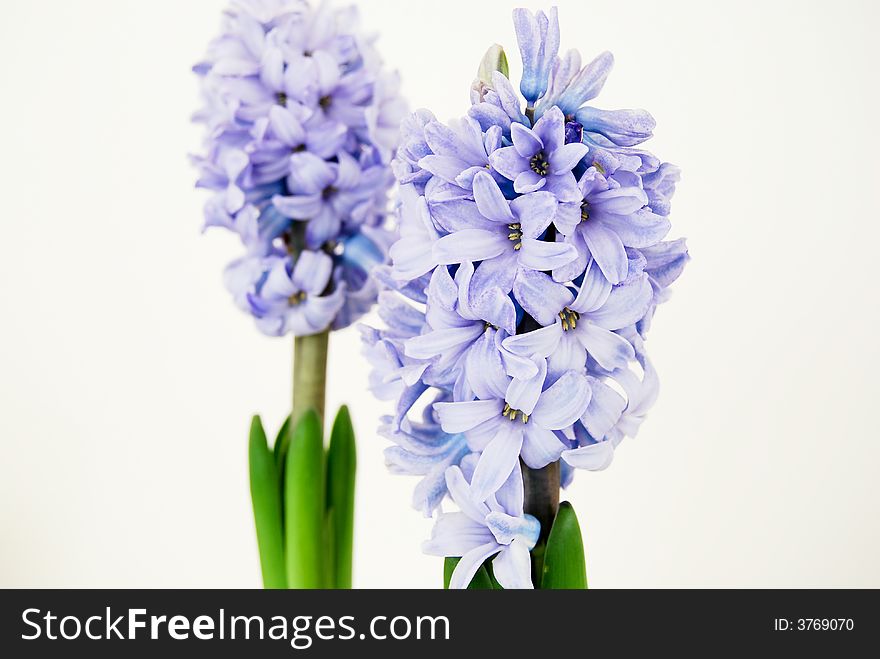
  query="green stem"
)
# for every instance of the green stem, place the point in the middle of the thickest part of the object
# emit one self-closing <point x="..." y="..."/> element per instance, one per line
<point x="542" y="502"/>
<point x="309" y="375"/>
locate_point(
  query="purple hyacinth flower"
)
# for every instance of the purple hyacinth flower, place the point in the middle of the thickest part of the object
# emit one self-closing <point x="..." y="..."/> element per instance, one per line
<point x="292" y="299"/>
<point x="505" y="237"/>
<point x="588" y="325"/>
<point x="540" y="159"/>
<point x="458" y="152"/>
<point x="520" y="420"/>
<point x="613" y="216"/>
<point x="300" y="121"/>
<point x="496" y="526"/>
<point x="325" y="193"/>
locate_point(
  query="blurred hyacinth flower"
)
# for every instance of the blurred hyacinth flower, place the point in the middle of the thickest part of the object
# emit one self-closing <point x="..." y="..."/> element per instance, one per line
<point x="301" y="126"/>
<point x="533" y="254"/>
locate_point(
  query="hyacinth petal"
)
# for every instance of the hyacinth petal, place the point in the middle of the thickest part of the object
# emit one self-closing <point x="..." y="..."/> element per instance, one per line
<point x="523" y="395"/>
<point x="497" y="460"/>
<point x="587" y="84"/>
<point x="469" y="564"/>
<point x="510" y="496"/>
<point x="594" y="291"/>
<point x="278" y="283"/>
<point x="496" y="308"/>
<point x="607" y="250"/>
<point x="550" y="128"/>
<point x="490" y="202"/>
<point x="526" y="143"/>
<point x="567" y="218"/>
<point x="499" y="273"/>
<point x="459" y="215"/>
<point x="286" y="127"/>
<point x="512" y="567"/>
<point x="569" y="354"/>
<point x="564" y="187"/>
<point x="622" y="127"/>
<point x="534" y="212"/>
<point x="641" y="229"/>
<point x="604" y="410"/>
<point x="624" y="200"/>
<point x="485" y="369"/>
<point x="456" y="534"/>
<point x="563" y="403"/>
<point x="540" y="446"/>
<point x="541" y="256"/>
<point x="611" y="351"/>
<point x="541" y="342"/>
<point x="301" y="207"/>
<point x="540" y="296"/>
<point x="461" y="417"/>
<point x="322" y="228"/>
<point x="448" y="168"/>
<point x="528" y="181"/>
<point x="510" y="102"/>
<point x="460" y="491"/>
<point x="567" y="157"/>
<point x="507" y="162"/>
<point x="625" y="305"/>
<point x="412" y="257"/>
<point x="441" y="341"/>
<point x="573" y="270"/>
<point x="469" y="245"/>
<point x="595" y="457"/>
<point x="312" y="272"/>
<point x="310" y="174"/>
<point x="319" y="312"/>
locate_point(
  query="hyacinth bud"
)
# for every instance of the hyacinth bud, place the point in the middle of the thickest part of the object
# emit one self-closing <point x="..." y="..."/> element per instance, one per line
<point x="495" y="59"/>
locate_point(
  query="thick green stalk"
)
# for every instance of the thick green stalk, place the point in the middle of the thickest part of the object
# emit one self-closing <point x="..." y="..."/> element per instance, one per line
<point x="542" y="502"/>
<point x="310" y="374"/>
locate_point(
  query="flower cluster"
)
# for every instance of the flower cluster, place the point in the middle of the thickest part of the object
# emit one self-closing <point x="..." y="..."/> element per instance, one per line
<point x="302" y="123"/>
<point x="531" y="260"/>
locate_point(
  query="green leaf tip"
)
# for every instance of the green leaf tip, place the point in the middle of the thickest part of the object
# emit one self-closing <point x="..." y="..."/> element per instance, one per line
<point x="266" y="500"/>
<point x="341" y="473"/>
<point x="564" y="562"/>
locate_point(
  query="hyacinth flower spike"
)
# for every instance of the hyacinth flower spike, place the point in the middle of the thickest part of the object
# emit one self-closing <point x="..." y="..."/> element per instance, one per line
<point x="301" y="126"/>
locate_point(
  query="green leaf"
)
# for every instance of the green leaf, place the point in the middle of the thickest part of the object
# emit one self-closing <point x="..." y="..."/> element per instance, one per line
<point x="564" y="563"/>
<point x="282" y="441"/>
<point x="341" y="468"/>
<point x="481" y="580"/>
<point x="266" y="498"/>
<point x="304" y="504"/>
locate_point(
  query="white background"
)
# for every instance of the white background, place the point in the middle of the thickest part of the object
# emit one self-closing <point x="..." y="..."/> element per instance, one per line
<point x="127" y="377"/>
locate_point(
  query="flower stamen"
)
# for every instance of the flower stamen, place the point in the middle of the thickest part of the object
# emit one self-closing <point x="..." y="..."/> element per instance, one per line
<point x="569" y="319"/>
<point x="512" y="414"/>
<point x="515" y="235"/>
<point x="297" y="299"/>
<point x="281" y="99"/>
<point x="585" y="211"/>
<point x="539" y="164"/>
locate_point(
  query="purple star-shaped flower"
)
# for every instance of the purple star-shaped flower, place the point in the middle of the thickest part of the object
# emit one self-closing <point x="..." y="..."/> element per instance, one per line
<point x="540" y="159"/>
<point x="505" y="236"/>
